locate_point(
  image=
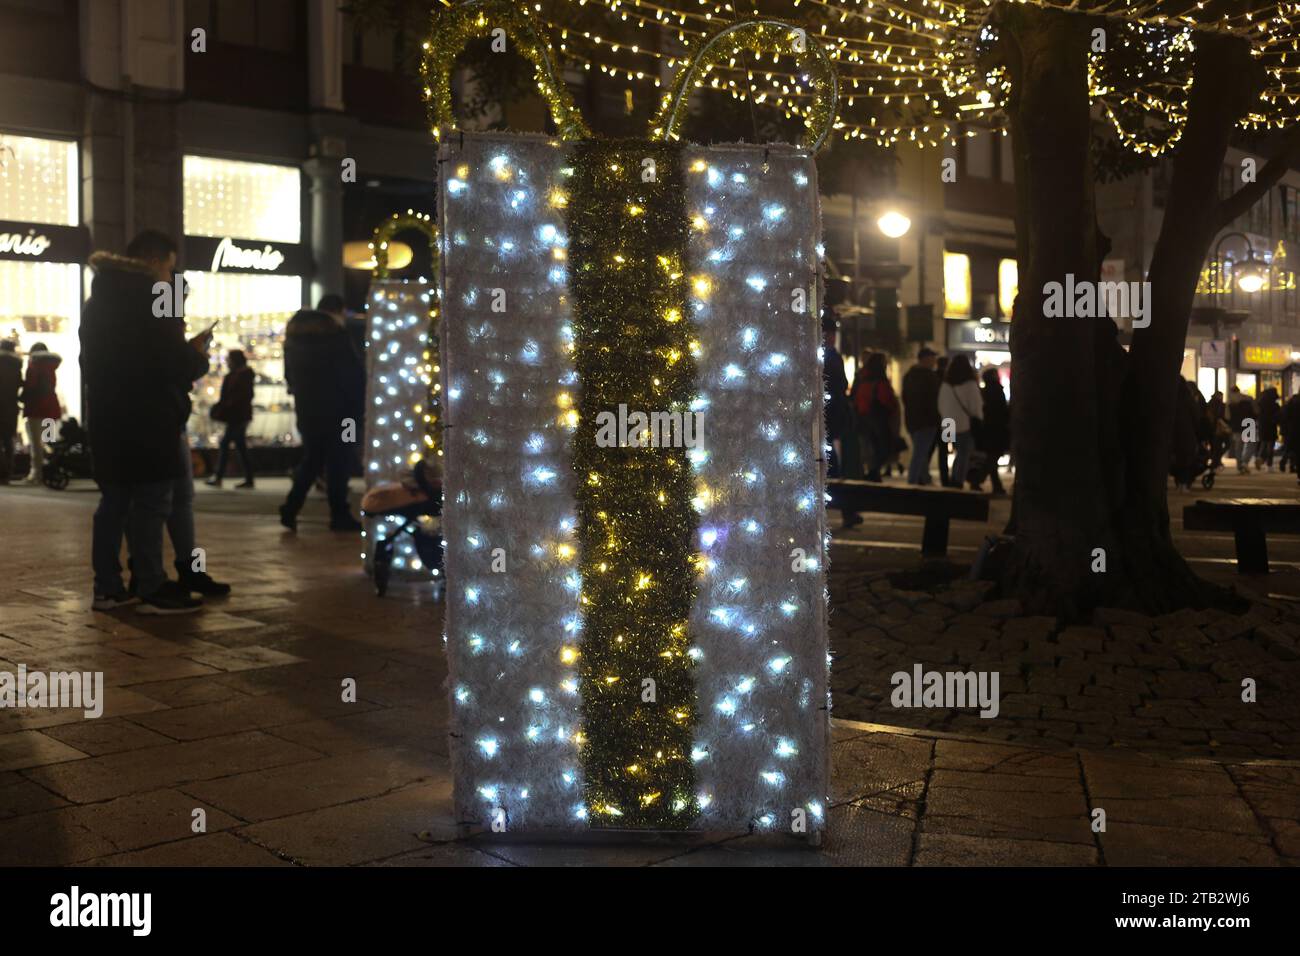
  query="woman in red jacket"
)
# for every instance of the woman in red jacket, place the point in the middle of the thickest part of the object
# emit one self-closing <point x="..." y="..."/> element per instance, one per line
<point x="878" y="412"/>
<point x="235" y="408"/>
<point x="40" y="403"/>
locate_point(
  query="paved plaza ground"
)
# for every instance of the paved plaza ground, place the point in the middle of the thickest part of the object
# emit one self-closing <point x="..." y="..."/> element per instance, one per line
<point x="238" y="711"/>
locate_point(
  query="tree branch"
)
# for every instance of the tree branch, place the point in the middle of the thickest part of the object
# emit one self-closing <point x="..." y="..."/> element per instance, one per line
<point x="1249" y="194"/>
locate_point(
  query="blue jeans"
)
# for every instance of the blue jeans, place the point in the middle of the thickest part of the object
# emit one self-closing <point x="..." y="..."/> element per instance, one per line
<point x="180" y="523"/>
<point x="918" y="469"/>
<point x="138" y="511"/>
<point x="965" y="444"/>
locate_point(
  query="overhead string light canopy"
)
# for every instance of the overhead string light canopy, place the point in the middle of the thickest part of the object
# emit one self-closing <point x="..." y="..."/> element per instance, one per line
<point x="909" y="69"/>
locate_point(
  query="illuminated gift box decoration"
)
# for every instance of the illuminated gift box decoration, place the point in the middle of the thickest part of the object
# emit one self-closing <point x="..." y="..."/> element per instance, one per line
<point x="636" y="635"/>
<point x="402" y="388"/>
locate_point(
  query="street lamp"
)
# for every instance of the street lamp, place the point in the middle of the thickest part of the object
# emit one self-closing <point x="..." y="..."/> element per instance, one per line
<point x="1252" y="273"/>
<point x="894" y="224"/>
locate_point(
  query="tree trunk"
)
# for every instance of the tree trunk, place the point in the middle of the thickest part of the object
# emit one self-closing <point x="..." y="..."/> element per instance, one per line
<point x="1061" y="503"/>
<point x="1091" y="424"/>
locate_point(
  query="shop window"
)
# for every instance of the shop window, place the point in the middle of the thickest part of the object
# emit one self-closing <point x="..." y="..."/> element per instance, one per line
<point x="38" y="180"/>
<point x="1008" y="285"/>
<point x="244" y="200"/>
<point x="956" y="285"/>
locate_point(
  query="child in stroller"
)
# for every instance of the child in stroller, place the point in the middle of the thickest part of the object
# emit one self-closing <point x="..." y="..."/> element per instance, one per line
<point x="399" y="506"/>
<point x="69" y="456"/>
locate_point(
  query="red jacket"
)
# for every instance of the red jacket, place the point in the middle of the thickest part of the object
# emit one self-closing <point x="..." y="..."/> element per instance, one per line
<point x="39" y="398"/>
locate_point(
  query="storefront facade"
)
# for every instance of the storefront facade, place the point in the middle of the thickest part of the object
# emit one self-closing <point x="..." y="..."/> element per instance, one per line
<point x="43" y="249"/>
<point x="245" y="267"/>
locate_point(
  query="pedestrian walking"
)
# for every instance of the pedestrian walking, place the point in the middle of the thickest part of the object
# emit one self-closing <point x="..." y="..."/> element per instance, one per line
<point x="960" y="402"/>
<point x="994" y="438"/>
<point x="940" y="445"/>
<point x="839" y="414"/>
<point x="1289" y="423"/>
<point x="1270" y="412"/>
<point x="1243" y="419"/>
<point x="878" y="413"/>
<point x="327" y="380"/>
<point x="40" y="404"/>
<point x="235" y="409"/>
<point x="11" y="383"/>
<point x="137" y="368"/>
<point x="921" y="413"/>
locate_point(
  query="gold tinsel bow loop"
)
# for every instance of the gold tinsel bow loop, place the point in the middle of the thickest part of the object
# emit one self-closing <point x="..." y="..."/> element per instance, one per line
<point x="454" y="27"/>
<point x="758" y="37"/>
<point x="399" y="223"/>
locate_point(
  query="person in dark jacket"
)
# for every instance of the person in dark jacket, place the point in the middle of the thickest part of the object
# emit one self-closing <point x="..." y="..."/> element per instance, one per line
<point x="235" y="408"/>
<point x="11" y="381"/>
<point x="921" y="413"/>
<point x="327" y="380"/>
<point x="40" y="404"/>
<point x="941" y="446"/>
<point x="839" y="417"/>
<point x="137" y="368"/>
<point x="1243" y="418"/>
<point x="1184" y="451"/>
<point x="995" y="435"/>
<point x="877" y="408"/>
<point x="1269" y="412"/>
<point x="1289" y="423"/>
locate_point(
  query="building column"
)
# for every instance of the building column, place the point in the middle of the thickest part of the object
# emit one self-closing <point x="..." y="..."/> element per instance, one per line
<point x="326" y="225"/>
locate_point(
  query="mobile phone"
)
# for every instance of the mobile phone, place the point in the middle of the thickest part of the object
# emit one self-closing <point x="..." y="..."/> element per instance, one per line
<point x="208" y="330"/>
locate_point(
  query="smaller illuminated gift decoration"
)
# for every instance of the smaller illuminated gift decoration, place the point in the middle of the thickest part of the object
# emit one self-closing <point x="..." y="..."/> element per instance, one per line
<point x="402" y="371"/>
<point x="636" y="611"/>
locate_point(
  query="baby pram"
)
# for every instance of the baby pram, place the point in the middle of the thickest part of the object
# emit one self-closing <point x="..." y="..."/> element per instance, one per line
<point x="400" y="506"/>
<point x="69" y="457"/>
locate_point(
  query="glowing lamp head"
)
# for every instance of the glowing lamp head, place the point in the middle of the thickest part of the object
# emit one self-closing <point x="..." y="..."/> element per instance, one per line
<point x="894" y="224"/>
<point x="1250" y="275"/>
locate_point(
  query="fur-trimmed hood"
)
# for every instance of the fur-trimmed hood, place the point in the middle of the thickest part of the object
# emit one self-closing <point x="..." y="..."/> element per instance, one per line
<point x="112" y="262"/>
<point x="47" y="356"/>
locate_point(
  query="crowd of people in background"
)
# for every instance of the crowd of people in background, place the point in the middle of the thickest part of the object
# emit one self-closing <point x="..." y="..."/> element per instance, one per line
<point x="1245" y="429"/>
<point x="947" y="414"/>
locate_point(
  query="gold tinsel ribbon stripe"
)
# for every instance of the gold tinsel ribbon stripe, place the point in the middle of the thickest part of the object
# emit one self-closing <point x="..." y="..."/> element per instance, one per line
<point x="379" y="246"/>
<point x="636" y="524"/>
<point x="454" y="27"/>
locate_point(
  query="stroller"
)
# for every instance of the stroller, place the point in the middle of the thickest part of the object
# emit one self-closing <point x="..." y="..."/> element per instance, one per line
<point x="400" y="506"/>
<point x="69" y="457"/>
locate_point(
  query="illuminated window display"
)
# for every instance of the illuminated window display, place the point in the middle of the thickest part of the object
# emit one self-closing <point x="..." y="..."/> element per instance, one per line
<point x="41" y="248"/>
<point x="244" y="264"/>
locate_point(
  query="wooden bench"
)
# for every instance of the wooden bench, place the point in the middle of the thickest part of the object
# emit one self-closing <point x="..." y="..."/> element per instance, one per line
<point x="1249" y="520"/>
<point x="937" y="505"/>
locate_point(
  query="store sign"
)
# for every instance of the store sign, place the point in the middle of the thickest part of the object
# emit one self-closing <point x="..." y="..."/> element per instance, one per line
<point x="226" y="254"/>
<point x="1265" y="356"/>
<point x="42" y="242"/>
<point x="1214" y="354"/>
<point x="994" y="337"/>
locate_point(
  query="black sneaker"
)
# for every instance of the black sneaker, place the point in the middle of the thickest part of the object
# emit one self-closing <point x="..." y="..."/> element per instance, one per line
<point x="288" y="518"/>
<point x="345" y="522"/>
<point x="171" y="598"/>
<point x="111" y="602"/>
<point x="246" y="483"/>
<point x="200" y="582"/>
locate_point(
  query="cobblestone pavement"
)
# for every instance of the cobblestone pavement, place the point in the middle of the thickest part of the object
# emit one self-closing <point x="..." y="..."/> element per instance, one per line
<point x="238" y="711"/>
<point x="1169" y="684"/>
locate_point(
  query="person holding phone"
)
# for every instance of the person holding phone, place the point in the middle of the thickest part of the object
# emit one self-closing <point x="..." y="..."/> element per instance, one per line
<point x="190" y="560"/>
